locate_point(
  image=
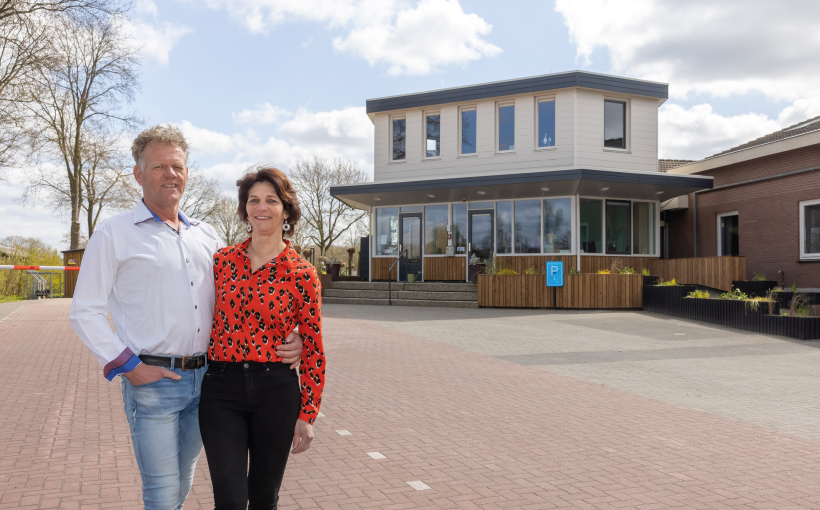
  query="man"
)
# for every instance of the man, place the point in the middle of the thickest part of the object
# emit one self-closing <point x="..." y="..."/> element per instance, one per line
<point x="152" y="268"/>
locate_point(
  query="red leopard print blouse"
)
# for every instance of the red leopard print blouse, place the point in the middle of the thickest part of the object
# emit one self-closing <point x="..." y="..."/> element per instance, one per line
<point x="255" y="311"/>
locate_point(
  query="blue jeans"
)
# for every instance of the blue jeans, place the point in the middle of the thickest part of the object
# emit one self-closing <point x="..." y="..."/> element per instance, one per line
<point x="164" y="419"/>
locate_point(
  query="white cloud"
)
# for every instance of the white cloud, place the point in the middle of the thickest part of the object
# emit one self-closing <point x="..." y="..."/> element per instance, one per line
<point x="405" y="49"/>
<point x="384" y="32"/>
<point x="204" y="141"/>
<point x="701" y="46"/>
<point x="146" y="7"/>
<point x="156" y="41"/>
<point x="263" y="114"/>
<point x="698" y="132"/>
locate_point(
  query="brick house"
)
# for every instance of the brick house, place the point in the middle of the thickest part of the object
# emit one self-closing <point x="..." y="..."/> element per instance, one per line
<point x="765" y="206"/>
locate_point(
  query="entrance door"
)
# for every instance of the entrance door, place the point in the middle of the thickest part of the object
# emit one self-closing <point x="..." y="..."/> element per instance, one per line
<point x="480" y="237"/>
<point x="728" y="238"/>
<point x="410" y="235"/>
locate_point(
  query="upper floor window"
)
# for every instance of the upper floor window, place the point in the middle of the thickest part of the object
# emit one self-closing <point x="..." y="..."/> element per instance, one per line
<point x="810" y="229"/>
<point x="468" y="130"/>
<point x="399" y="138"/>
<point x="546" y="123"/>
<point x="505" y="127"/>
<point x="433" y="135"/>
<point x="615" y="124"/>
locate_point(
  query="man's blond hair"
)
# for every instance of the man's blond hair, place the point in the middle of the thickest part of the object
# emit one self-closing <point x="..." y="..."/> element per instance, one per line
<point x="160" y="133"/>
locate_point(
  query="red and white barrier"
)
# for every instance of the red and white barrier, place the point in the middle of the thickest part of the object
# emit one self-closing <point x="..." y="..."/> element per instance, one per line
<point x="44" y="268"/>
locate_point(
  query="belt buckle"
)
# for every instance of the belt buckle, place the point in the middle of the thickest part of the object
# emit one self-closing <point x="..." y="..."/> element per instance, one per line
<point x="184" y="359"/>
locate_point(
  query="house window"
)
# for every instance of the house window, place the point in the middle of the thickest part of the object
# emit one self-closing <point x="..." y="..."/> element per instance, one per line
<point x="468" y="131"/>
<point x="433" y="135"/>
<point x="503" y="227"/>
<point x="618" y="227"/>
<point x="590" y="230"/>
<point x="615" y="124"/>
<point x="643" y="228"/>
<point x="558" y="225"/>
<point x="728" y="234"/>
<point x="387" y="231"/>
<point x="810" y="230"/>
<point x="527" y="226"/>
<point x="435" y="229"/>
<point x="505" y="127"/>
<point x="460" y="228"/>
<point x="399" y="138"/>
<point x="546" y="123"/>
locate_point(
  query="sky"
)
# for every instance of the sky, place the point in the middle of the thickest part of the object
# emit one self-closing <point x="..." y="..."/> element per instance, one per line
<point x="252" y="81"/>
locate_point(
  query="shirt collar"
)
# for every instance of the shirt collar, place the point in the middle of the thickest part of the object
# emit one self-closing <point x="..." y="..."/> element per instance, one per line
<point x="143" y="213"/>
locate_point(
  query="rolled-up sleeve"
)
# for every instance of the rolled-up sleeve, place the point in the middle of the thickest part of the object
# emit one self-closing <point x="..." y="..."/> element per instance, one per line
<point x="89" y="307"/>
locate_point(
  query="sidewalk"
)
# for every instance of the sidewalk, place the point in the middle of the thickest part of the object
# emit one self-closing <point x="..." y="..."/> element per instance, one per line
<point x="487" y="408"/>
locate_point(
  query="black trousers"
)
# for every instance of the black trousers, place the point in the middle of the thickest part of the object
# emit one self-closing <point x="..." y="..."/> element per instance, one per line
<point x="247" y="415"/>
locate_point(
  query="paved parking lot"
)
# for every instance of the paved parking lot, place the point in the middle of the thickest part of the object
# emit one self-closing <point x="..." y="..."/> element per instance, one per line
<point x="452" y="408"/>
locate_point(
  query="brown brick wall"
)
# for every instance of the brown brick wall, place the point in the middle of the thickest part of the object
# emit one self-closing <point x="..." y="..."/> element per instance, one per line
<point x="768" y="216"/>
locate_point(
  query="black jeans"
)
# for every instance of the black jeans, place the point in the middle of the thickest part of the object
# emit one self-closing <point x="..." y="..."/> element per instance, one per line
<point x="248" y="410"/>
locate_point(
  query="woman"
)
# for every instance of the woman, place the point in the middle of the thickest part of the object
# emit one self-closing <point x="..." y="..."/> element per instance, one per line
<point x="253" y="405"/>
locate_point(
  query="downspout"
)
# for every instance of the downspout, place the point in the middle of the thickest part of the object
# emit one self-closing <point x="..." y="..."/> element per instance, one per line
<point x="695" y="223"/>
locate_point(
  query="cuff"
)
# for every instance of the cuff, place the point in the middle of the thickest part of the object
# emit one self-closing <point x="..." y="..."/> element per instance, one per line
<point x="125" y="362"/>
<point x="308" y="415"/>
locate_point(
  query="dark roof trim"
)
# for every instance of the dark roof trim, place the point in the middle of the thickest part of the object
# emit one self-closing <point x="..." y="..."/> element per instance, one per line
<point x="654" y="178"/>
<point x="521" y="86"/>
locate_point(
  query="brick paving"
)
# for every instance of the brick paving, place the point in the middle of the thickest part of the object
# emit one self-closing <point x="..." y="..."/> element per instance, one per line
<point x="474" y="404"/>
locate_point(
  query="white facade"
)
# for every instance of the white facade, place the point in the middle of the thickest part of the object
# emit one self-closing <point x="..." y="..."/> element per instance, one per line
<point x="579" y="137"/>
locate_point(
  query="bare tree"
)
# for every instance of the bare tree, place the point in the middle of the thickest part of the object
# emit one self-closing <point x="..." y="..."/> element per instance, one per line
<point x="26" y="29"/>
<point x="227" y="223"/>
<point x="105" y="177"/>
<point x="327" y="218"/>
<point x="93" y="74"/>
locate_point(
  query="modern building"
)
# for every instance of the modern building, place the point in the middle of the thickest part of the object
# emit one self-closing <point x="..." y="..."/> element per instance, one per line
<point x="765" y="206"/>
<point x="556" y="167"/>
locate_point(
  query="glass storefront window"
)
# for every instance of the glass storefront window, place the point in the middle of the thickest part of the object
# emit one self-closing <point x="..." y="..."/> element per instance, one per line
<point x="590" y="228"/>
<point x="643" y="228"/>
<point x="503" y="227"/>
<point x="558" y="225"/>
<point x="435" y="229"/>
<point x="387" y="231"/>
<point x="460" y="228"/>
<point x="618" y="227"/>
<point x="527" y="226"/>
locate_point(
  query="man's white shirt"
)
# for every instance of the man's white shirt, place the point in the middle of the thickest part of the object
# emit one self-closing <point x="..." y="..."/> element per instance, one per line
<point x="157" y="284"/>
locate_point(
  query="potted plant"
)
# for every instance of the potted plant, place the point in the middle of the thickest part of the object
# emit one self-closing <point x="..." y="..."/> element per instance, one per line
<point x="476" y="266"/>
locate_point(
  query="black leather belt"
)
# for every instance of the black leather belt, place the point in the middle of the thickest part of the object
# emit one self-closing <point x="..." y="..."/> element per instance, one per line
<point x="183" y="362"/>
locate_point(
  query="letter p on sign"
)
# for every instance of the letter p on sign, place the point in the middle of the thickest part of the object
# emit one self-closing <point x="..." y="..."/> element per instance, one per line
<point x="555" y="274"/>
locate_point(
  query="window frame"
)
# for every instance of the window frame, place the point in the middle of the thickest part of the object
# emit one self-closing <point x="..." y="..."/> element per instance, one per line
<point x="374" y="228"/>
<point x="572" y="224"/>
<point x="719" y="243"/>
<point x="498" y="106"/>
<point x="802" y="225"/>
<point x="424" y="115"/>
<point x="538" y="101"/>
<point x="390" y="139"/>
<point x="628" y="202"/>
<point x="627" y="125"/>
<point x="461" y="109"/>
<point x="657" y="219"/>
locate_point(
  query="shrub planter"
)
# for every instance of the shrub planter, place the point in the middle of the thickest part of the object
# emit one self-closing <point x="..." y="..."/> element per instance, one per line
<point x="785" y="298"/>
<point x="754" y="287"/>
<point x="730" y="313"/>
<point x="651" y="280"/>
<point x="665" y="299"/>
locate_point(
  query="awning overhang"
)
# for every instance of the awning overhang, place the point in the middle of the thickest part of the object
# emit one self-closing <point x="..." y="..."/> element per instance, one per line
<point x="591" y="183"/>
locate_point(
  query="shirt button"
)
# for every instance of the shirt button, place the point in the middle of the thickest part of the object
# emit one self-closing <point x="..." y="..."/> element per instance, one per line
<point x="197" y="330"/>
<point x="186" y="261"/>
<point x="192" y="284"/>
<point x="195" y="307"/>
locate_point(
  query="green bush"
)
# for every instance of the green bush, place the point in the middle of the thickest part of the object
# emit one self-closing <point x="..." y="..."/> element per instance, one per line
<point x="24" y="251"/>
<point x="668" y="283"/>
<point x="736" y="295"/>
<point x="645" y="272"/>
<point x="506" y="271"/>
<point x="700" y="294"/>
<point x="530" y="270"/>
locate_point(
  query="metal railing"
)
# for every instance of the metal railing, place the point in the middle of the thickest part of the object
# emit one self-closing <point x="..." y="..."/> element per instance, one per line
<point x="390" y="276"/>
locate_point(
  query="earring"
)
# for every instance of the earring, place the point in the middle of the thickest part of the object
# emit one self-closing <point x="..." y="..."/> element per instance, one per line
<point x="286" y="226"/>
<point x="249" y="228"/>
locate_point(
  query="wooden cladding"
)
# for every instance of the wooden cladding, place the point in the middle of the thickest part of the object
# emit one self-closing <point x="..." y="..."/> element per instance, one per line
<point x="445" y="269"/>
<point x="580" y="291"/>
<point x="715" y="272"/>
<point x="379" y="267"/>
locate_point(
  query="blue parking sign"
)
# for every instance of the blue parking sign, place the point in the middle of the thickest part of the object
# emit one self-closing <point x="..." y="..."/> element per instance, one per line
<point x="555" y="274"/>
